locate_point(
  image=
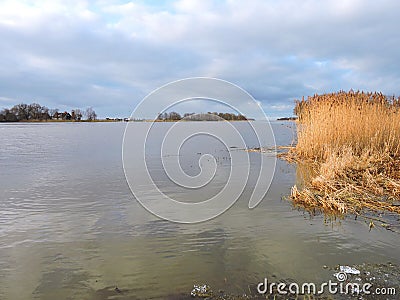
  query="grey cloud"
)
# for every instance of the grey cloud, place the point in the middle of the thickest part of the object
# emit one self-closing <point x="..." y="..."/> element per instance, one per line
<point x="278" y="51"/>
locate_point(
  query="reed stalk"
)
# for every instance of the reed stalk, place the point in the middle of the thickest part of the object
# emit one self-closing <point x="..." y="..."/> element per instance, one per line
<point x="353" y="141"/>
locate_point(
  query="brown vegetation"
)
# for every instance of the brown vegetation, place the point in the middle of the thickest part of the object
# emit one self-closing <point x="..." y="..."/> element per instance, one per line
<point x="351" y="140"/>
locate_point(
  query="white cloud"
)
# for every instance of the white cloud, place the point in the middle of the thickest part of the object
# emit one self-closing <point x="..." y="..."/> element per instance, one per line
<point x="58" y="51"/>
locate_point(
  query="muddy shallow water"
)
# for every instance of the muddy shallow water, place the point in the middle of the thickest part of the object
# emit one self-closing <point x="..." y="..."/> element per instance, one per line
<point x="70" y="227"/>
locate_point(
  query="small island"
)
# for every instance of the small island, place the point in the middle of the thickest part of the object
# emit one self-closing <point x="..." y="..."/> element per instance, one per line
<point x="209" y="116"/>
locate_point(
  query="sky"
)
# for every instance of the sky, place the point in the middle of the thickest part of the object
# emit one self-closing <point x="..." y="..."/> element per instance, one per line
<point x="110" y="54"/>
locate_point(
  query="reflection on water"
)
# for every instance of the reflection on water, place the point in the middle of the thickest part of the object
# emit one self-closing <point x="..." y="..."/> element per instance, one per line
<point x="71" y="229"/>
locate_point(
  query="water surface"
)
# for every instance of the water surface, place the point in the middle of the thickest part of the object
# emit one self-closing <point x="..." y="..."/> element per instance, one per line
<point x="70" y="227"/>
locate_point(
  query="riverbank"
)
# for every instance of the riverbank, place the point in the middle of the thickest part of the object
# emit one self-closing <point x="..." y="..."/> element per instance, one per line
<point x="363" y="281"/>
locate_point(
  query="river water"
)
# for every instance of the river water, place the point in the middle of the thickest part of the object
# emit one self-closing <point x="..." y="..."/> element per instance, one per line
<point x="70" y="227"/>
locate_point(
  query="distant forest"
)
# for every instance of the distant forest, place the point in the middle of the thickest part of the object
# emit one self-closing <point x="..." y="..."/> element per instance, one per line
<point x="35" y="112"/>
<point x="210" y="116"/>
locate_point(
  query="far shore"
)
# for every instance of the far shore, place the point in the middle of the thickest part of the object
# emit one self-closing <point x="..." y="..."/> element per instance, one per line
<point x="62" y="121"/>
<point x="109" y="120"/>
<point x="118" y="120"/>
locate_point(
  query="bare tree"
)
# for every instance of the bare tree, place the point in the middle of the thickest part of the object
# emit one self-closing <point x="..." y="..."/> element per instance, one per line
<point x="78" y="114"/>
<point x="21" y="111"/>
<point x="174" y="116"/>
<point x="90" y="114"/>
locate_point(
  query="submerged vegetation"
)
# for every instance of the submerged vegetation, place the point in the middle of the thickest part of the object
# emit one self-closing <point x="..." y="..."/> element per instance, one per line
<point x="351" y="140"/>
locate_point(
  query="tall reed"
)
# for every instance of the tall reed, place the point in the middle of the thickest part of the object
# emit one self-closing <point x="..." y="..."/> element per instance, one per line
<point x="353" y="140"/>
<point x="356" y="120"/>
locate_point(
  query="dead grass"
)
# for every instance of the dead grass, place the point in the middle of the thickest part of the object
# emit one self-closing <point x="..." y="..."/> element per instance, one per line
<point x="352" y="141"/>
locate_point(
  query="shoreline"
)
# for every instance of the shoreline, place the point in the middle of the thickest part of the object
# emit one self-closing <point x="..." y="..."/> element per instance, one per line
<point x="64" y="121"/>
<point x="137" y="121"/>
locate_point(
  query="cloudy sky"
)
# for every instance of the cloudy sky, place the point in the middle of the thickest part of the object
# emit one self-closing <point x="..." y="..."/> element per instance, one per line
<point x="110" y="54"/>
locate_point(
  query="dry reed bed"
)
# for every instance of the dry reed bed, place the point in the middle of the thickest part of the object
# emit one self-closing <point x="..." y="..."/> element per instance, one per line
<point x="352" y="140"/>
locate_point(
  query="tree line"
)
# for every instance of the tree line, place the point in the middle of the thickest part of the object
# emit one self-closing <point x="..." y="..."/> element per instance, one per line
<point x="36" y="112"/>
<point x="210" y="116"/>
